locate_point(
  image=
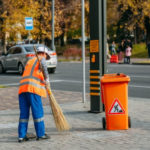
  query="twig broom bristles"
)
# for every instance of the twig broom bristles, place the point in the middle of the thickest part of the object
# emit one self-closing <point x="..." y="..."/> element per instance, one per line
<point x="60" y="120"/>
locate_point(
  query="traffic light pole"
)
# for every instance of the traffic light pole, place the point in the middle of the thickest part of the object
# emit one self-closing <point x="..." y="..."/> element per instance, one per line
<point x="53" y="25"/>
<point x="104" y="35"/>
<point x="97" y="52"/>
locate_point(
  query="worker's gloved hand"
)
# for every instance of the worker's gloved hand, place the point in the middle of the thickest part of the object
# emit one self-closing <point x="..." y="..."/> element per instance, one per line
<point x="47" y="82"/>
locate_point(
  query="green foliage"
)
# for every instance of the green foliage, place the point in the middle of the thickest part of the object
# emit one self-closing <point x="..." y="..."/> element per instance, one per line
<point x="67" y="18"/>
<point x="73" y="33"/>
<point x="139" y="51"/>
<point x="60" y="49"/>
<point x="111" y="30"/>
<point x="130" y="16"/>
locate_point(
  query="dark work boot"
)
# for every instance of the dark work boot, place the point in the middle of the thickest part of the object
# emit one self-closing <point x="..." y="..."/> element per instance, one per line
<point x="23" y="139"/>
<point x="44" y="137"/>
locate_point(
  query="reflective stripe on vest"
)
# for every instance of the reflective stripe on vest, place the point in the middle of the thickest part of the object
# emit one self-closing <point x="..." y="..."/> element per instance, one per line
<point x="32" y="83"/>
<point x="31" y="77"/>
<point x="32" y="80"/>
<point x="33" y="67"/>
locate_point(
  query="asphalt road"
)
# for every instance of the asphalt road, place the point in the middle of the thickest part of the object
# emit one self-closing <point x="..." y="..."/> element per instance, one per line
<point x="68" y="77"/>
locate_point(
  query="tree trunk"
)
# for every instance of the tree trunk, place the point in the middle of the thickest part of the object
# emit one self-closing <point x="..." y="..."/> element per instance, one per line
<point x="62" y="43"/>
<point x="147" y="27"/>
<point x="4" y="42"/>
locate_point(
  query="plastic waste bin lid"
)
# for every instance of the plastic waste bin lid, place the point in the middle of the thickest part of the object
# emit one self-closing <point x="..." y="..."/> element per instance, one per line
<point x="119" y="77"/>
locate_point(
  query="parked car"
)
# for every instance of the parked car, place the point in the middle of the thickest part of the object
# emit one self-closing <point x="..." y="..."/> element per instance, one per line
<point x="17" y="56"/>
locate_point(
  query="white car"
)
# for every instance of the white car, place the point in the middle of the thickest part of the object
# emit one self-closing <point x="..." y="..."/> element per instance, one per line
<point x="17" y="56"/>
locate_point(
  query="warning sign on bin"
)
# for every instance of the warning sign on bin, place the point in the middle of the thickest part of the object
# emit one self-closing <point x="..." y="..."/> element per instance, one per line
<point x="116" y="108"/>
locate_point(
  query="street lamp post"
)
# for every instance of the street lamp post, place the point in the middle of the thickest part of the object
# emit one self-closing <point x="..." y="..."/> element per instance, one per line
<point x="53" y="25"/>
<point x="83" y="52"/>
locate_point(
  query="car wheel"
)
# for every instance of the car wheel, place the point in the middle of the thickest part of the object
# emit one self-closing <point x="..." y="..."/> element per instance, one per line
<point x="104" y="123"/>
<point x="2" y="68"/>
<point x="129" y="121"/>
<point x="20" y="69"/>
<point x="103" y="107"/>
<point x="51" y="70"/>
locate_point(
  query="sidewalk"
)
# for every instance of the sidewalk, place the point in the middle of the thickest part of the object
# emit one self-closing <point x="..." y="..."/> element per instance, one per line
<point x="140" y="61"/>
<point x="134" y="61"/>
<point x="86" y="132"/>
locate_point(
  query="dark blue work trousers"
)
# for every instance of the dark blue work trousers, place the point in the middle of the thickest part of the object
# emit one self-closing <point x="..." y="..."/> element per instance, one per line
<point x="27" y="100"/>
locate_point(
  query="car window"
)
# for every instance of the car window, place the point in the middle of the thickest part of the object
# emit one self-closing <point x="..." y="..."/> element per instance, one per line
<point x="10" y="51"/>
<point x="31" y="49"/>
<point x="17" y="50"/>
<point x="48" y="48"/>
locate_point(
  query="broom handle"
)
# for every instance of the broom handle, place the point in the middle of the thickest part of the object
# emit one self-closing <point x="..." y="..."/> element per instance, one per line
<point x="41" y="67"/>
<point x="48" y="89"/>
<point x="53" y="102"/>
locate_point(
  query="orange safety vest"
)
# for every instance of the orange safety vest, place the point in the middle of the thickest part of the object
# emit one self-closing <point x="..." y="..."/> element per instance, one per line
<point x="32" y="79"/>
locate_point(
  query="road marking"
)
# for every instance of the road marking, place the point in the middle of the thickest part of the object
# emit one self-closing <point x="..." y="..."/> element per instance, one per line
<point x="73" y="81"/>
<point x="129" y="66"/>
<point x="10" y="84"/>
<point x="7" y="76"/>
<point x="136" y="86"/>
<point x="139" y="86"/>
<point x="56" y="80"/>
<point x="16" y="84"/>
<point x="139" y="76"/>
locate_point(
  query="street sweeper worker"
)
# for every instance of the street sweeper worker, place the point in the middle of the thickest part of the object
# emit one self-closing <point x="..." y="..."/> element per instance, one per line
<point x="31" y="89"/>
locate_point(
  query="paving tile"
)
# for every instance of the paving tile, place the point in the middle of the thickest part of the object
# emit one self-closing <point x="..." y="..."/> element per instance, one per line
<point x="86" y="132"/>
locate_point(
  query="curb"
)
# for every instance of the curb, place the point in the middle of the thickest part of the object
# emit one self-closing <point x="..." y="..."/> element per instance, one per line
<point x="133" y="63"/>
<point x="136" y="63"/>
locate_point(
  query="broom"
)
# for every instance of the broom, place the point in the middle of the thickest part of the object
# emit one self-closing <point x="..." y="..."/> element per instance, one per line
<point x="60" y="120"/>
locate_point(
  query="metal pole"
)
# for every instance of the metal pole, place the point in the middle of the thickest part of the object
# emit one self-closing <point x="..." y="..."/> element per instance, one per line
<point x="83" y="52"/>
<point x="29" y="36"/>
<point x="105" y="35"/>
<point x="53" y="25"/>
<point x="96" y="49"/>
<point x="100" y="17"/>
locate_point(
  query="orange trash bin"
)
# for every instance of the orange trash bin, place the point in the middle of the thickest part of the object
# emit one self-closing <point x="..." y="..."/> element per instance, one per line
<point x="115" y="99"/>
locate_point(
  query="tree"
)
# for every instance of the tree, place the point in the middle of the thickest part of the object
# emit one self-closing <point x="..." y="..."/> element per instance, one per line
<point x="67" y="19"/>
<point x="14" y="13"/>
<point x="113" y="17"/>
<point x="133" y="15"/>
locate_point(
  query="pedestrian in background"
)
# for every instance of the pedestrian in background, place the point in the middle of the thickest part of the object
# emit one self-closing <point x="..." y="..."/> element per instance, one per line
<point x="127" y="43"/>
<point x="113" y="48"/>
<point x="121" y="51"/>
<point x="127" y="54"/>
<point x="32" y="88"/>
